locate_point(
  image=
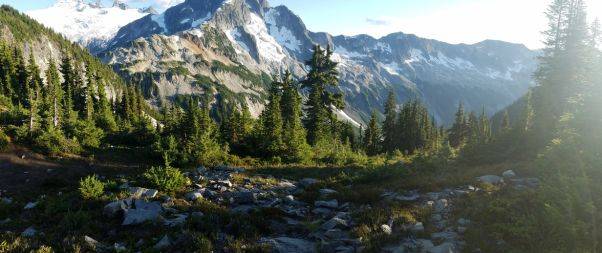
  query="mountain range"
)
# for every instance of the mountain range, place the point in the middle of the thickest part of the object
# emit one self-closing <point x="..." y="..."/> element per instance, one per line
<point x="230" y="49"/>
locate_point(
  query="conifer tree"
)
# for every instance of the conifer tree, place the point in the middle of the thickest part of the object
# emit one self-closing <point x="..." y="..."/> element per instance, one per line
<point x="457" y="132"/>
<point x="68" y="85"/>
<point x="389" y="125"/>
<point x="293" y="134"/>
<point x="53" y="95"/>
<point x="21" y="78"/>
<point x="104" y="118"/>
<point x="322" y="77"/>
<point x="271" y="121"/>
<point x="505" y="122"/>
<point x="372" y="136"/>
<point x="33" y="89"/>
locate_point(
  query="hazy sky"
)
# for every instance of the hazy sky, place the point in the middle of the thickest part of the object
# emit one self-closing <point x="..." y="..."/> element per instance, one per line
<point x="454" y="21"/>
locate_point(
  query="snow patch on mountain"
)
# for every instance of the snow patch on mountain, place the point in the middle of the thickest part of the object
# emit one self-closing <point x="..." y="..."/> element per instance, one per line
<point x="160" y="21"/>
<point x="282" y="34"/>
<point x="267" y="46"/>
<point x="85" y="23"/>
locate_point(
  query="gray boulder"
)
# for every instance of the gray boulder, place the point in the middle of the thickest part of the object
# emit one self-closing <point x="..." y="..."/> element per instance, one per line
<point x="386" y="229"/>
<point x="164" y="243"/>
<point x="509" y="174"/>
<point x="335" y="223"/>
<point x="139" y="192"/>
<point x="491" y="179"/>
<point x="29" y="232"/>
<point x="113" y="209"/>
<point x="288" y="244"/>
<point x="143" y="212"/>
<point x="245" y="197"/>
<point x="443" y="248"/>
<point x="332" y="204"/>
<point x="192" y="196"/>
<point x="307" y="182"/>
<point x="441" y="205"/>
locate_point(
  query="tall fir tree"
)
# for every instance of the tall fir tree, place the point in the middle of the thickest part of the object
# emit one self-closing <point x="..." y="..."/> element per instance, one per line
<point x="458" y="131"/>
<point x="372" y="136"/>
<point x="293" y="135"/>
<point x="53" y="95"/>
<point x="389" y="125"/>
<point x="271" y="122"/>
<point x="320" y="120"/>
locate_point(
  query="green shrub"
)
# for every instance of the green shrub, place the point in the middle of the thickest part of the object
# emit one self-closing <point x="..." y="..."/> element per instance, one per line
<point x="4" y="140"/>
<point x="166" y="179"/>
<point x="54" y="142"/>
<point x="202" y="244"/>
<point x="88" y="134"/>
<point x="91" y="187"/>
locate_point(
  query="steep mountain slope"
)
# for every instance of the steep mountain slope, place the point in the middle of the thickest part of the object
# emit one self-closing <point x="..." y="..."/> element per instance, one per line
<point x="45" y="45"/>
<point x="90" y="25"/>
<point x="235" y="44"/>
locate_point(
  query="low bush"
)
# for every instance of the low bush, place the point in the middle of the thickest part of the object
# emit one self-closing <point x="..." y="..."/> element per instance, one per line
<point x="167" y="179"/>
<point x="91" y="187"/>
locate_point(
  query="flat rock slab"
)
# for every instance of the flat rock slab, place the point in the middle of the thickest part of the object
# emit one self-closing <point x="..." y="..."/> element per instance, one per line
<point x="288" y="244"/>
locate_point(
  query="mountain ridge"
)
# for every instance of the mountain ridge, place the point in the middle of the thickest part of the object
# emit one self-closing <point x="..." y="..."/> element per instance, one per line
<point x="490" y="74"/>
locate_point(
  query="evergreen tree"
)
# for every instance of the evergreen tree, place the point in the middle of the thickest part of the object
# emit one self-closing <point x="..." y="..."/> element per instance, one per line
<point x="527" y="115"/>
<point x="457" y="133"/>
<point x="271" y="122"/>
<point x="20" y="79"/>
<point x="33" y="86"/>
<point x="68" y="85"/>
<point x="293" y="135"/>
<point x="505" y="122"/>
<point x="372" y="136"/>
<point x="53" y="95"/>
<point x="104" y="117"/>
<point x="322" y="77"/>
<point x="389" y="125"/>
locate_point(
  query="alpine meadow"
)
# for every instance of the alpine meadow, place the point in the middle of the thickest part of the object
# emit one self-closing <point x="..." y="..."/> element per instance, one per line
<point x="232" y="126"/>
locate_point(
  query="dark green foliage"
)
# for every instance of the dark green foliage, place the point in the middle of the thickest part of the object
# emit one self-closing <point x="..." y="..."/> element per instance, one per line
<point x="91" y="187"/>
<point x="372" y="137"/>
<point x="322" y="77"/>
<point x="167" y="179"/>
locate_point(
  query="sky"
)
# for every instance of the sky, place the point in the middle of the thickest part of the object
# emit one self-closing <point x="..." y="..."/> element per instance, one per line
<point x="453" y="21"/>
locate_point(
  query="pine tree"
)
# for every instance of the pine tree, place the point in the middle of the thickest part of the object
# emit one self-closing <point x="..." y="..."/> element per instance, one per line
<point x="484" y="127"/>
<point x="33" y="89"/>
<point x="21" y="78"/>
<point x="322" y="76"/>
<point x="505" y="127"/>
<point x="104" y="118"/>
<point x="53" y="95"/>
<point x="293" y="135"/>
<point x="527" y="115"/>
<point x="68" y="85"/>
<point x="389" y="125"/>
<point x="457" y="133"/>
<point x="271" y="121"/>
<point x="372" y="136"/>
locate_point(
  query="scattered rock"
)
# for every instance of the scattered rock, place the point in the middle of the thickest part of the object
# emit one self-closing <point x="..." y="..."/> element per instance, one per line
<point x="93" y="244"/>
<point x="441" y="205"/>
<point x="245" y="197"/>
<point x="307" y="182"/>
<point x="335" y="234"/>
<point x="335" y="223"/>
<point x="197" y="215"/>
<point x="446" y="236"/>
<point x="288" y="244"/>
<point x="417" y="228"/>
<point x="321" y="211"/>
<point x="386" y="229"/>
<point x="139" y="192"/>
<point x="164" y="243"/>
<point x="179" y="220"/>
<point x="30" y="205"/>
<point x="144" y="211"/>
<point x="29" y="232"/>
<point x="443" y="248"/>
<point x="7" y="201"/>
<point x="332" y="204"/>
<point x="114" y="208"/>
<point x="192" y="196"/>
<point x="463" y="222"/>
<point x="5" y="221"/>
<point x="119" y="247"/>
<point x="327" y="192"/>
<point x="491" y="179"/>
<point x="509" y="174"/>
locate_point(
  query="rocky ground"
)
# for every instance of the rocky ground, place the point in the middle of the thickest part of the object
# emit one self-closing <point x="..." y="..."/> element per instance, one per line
<point x="298" y="216"/>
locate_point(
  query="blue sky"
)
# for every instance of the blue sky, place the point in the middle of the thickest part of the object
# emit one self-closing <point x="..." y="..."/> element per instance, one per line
<point x="454" y="21"/>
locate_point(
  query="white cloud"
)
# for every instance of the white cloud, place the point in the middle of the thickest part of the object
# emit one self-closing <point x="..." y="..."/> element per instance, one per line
<point x="517" y="21"/>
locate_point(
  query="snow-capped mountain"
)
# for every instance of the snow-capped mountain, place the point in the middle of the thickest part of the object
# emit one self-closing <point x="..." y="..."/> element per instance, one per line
<point x="237" y="43"/>
<point x="89" y="24"/>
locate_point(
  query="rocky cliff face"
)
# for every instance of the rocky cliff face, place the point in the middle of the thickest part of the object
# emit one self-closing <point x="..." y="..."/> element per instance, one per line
<point x="232" y="47"/>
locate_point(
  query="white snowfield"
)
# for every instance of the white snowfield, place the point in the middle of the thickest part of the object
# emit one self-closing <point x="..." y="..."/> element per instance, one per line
<point x="85" y="23"/>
